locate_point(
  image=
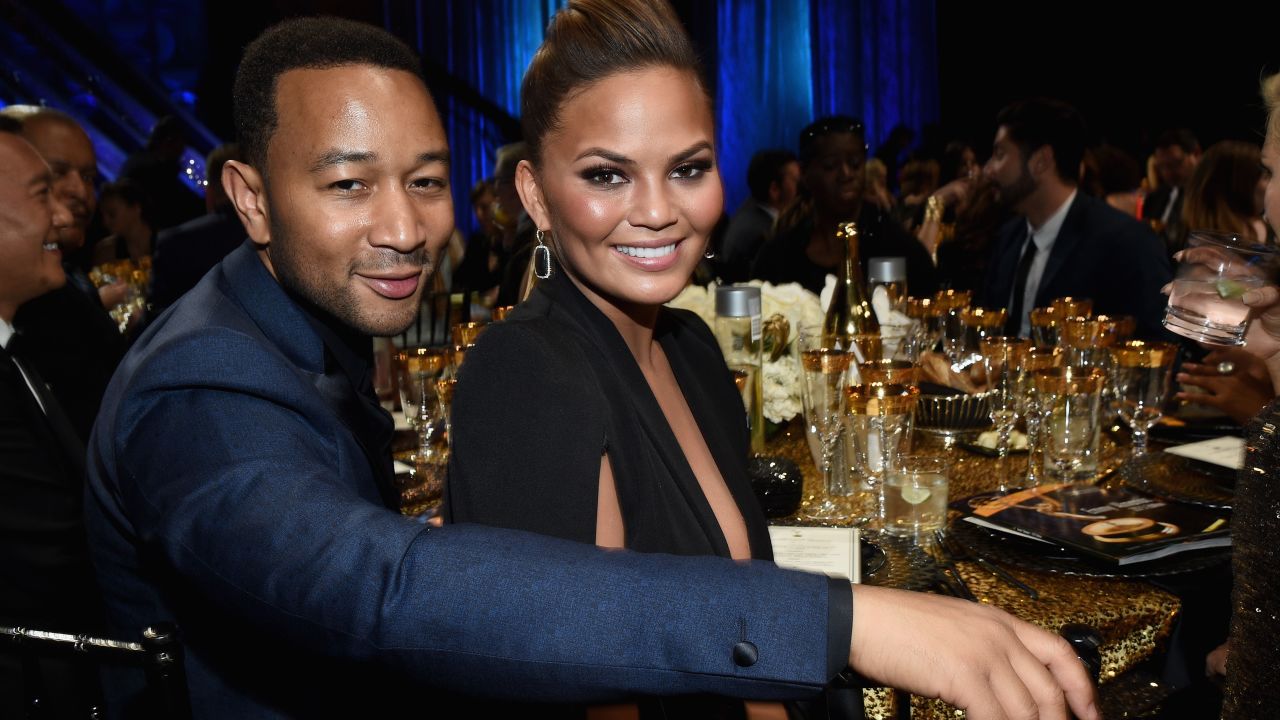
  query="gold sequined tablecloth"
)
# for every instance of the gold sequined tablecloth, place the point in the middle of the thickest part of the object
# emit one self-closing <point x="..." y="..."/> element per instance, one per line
<point x="1134" y="618"/>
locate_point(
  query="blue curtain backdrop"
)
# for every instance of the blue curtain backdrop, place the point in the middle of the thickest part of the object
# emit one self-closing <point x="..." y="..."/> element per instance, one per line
<point x="782" y="63"/>
<point x="484" y="45"/>
<point x="776" y="65"/>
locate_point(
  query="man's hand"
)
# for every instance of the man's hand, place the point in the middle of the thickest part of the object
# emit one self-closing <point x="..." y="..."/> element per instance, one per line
<point x="976" y="657"/>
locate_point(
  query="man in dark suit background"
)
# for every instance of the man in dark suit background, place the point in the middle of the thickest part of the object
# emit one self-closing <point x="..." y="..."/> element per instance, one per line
<point x="70" y="339"/>
<point x="185" y="253"/>
<point x="45" y="578"/>
<point x="773" y="178"/>
<point x="1064" y="242"/>
<point x="239" y="474"/>
<point x="1176" y="155"/>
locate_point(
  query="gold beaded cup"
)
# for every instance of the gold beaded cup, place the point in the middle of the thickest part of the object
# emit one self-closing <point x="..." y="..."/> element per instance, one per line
<point x="828" y="361"/>
<point x="1041" y="358"/>
<point x="423" y="360"/>
<point x="922" y="308"/>
<point x="953" y="299"/>
<point x="1066" y="307"/>
<point x="1143" y="354"/>
<point x="984" y="318"/>
<point x="466" y="333"/>
<point x="1084" y="333"/>
<point x="1070" y="381"/>
<point x="890" y="372"/>
<point x="881" y="399"/>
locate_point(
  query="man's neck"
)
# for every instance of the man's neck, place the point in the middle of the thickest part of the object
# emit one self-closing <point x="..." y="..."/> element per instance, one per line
<point x="1046" y="200"/>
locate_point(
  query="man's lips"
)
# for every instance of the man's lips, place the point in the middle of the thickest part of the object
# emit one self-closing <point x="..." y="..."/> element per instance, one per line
<point x="394" y="287"/>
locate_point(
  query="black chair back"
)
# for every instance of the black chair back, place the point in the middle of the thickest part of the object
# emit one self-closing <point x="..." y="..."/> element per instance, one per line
<point x="159" y="653"/>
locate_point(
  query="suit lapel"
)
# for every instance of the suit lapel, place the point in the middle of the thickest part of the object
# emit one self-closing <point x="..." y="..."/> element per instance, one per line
<point x="50" y="423"/>
<point x="370" y="425"/>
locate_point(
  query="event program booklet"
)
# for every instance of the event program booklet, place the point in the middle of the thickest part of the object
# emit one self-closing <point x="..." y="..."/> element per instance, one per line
<point x="1116" y="525"/>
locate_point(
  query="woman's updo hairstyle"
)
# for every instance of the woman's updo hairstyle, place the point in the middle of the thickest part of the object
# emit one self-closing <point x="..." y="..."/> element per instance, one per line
<point x="1271" y="96"/>
<point x="588" y="41"/>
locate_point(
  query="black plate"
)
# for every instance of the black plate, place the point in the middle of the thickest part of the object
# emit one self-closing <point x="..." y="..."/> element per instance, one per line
<point x="1044" y="557"/>
<point x="1181" y="479"/>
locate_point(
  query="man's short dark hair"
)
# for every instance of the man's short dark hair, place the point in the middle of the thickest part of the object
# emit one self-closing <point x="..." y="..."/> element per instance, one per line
<point x="765" y="169"/>
<point x="1179" y="137"/>
<point x="298" y="44"/>
<point x="1037" y="122"/>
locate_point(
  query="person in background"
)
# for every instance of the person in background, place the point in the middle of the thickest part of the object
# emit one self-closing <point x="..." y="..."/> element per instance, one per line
<point x="240" y="471"/>
<point x="805" y="249"/>
<point x="480" y="271"/>
<point x="1064" y="242"/>
<point x="1224" y="194"/>
<point x="70" y="339"/>
<point x="155" y="170"/>
<point x="772" y="178"/>
<point x="1176" y="154"/>
<point x="126" y="213"/>
<point x="1113" y="175"/>
<point x="46" y="581"/>
<point x="186" y="252"/>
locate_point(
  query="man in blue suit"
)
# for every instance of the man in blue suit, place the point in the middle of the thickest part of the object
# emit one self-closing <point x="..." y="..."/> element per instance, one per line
<point x="1064" y="242"/>
<point x="239" y="479"/>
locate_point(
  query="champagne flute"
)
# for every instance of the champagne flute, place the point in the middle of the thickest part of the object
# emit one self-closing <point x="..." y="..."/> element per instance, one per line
<point x="823" y="372"/>
<point x="1142" y="375"/>
<point x="1002" y="358"/>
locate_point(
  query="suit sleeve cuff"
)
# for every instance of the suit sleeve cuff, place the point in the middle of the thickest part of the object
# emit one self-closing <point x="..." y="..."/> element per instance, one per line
<point x="839" y="624"/>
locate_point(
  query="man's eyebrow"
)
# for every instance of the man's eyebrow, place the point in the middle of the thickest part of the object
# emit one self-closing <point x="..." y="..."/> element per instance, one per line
<point x="434" y="156"/>
<point x="342" y="157"/>
<point x="345" y="157"/>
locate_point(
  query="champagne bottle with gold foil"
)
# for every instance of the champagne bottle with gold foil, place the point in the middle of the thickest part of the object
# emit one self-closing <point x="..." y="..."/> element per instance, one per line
<point x="851" y="322"/>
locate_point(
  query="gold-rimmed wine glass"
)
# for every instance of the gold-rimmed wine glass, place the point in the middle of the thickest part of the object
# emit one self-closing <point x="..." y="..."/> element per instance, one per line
<point x="1002" y="358"/>
<point x="1034" y="360"/>
<point x="1142" y="373"/>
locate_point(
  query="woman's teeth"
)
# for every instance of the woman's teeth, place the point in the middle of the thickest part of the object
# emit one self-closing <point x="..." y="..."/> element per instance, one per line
<point x="645" y="252"/>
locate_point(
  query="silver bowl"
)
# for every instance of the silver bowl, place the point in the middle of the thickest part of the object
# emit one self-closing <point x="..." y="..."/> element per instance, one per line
<point x="953" y="416"/>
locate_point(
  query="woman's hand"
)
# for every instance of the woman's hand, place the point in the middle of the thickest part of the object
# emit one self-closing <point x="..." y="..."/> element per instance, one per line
<point x="1240" y="393"/>
<point x="1215" y="663"/>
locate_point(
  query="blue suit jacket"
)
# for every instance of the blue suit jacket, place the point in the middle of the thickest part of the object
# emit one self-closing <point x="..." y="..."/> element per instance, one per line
<point x="1101" y="254"/>
<point x="228" y="492"/>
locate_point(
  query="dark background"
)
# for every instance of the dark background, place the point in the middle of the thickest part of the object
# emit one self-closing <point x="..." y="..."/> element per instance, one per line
<point x="1133" y="69"/>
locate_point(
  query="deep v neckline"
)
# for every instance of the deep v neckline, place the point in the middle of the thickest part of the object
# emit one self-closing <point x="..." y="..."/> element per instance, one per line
<point x="604" y="335"/>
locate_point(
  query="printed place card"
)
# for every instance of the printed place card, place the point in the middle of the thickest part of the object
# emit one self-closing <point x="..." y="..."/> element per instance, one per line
<point x="829" y="551"/>
<point x="1225" y="451"/>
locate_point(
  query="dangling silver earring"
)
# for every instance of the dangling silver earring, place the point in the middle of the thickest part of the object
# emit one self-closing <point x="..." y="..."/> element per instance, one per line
<point x="541" y="257"/>
<point x="709" y="254"/>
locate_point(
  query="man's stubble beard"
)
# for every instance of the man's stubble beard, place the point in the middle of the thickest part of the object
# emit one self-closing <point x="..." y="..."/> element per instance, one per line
<point x="288" y="256"/>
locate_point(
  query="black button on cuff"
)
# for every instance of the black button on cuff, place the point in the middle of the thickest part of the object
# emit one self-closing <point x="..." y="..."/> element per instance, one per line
<point x="745" y="654"/>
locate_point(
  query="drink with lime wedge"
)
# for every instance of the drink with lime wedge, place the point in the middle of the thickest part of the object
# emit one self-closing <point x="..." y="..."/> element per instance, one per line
<point x="1214" y="273"/>
<point x="915" y="496"/>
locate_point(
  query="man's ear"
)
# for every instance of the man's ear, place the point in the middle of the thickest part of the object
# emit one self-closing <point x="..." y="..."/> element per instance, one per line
<point x="1042" y="161"/>
<point x="243" y="185"/>
<point x="531" y="196"/>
